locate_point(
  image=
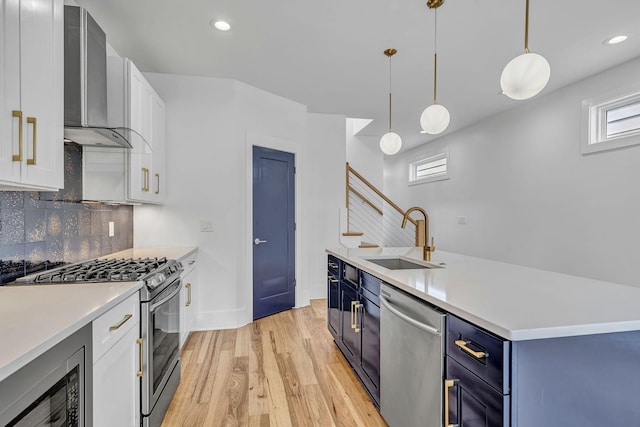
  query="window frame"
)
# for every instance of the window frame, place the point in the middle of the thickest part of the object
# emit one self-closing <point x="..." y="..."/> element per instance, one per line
<point x="431" y="157"/>
<point x="594" y="124"/>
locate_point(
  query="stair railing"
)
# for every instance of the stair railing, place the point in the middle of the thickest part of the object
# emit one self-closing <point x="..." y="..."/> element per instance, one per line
<point x="370" y="211"/>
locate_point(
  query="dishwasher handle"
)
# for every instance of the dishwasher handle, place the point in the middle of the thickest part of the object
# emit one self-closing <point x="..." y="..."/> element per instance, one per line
<point x="427" y="328"/>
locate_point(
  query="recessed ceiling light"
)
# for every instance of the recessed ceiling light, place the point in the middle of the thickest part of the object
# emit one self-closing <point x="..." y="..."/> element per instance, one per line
<point x="615" y="40"/>
<point x="221" y="25"/>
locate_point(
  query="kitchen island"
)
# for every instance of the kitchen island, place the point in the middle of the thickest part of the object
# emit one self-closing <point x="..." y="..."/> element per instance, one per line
<point x="564" y="339"/>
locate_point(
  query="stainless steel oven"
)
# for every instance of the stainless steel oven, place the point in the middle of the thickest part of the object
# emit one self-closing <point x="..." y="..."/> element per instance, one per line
<point x="160" y="332"/>
<point x="53" y="390"/>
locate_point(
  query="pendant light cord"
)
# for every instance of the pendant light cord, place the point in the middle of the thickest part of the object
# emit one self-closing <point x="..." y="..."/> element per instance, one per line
<point x="390" y="94"/>
<point x="526" y="29"/>
<point x="435" y="54"/>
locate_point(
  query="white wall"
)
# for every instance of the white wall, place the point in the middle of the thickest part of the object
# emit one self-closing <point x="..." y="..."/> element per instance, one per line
<point x="211" y="127"/>
<point x="365" y="156"/>
<point x="529" y="195"/>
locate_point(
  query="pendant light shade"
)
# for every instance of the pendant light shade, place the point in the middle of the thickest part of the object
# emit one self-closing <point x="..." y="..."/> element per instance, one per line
<point x="527" y="74"/>
<point x="390" y="143"/>
<point x="435" y="118"/>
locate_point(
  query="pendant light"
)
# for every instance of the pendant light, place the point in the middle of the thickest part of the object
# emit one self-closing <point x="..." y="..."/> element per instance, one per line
<point x="527" y="74"/>
<point x="435" y="118"/>
<point x="390" y="143"/>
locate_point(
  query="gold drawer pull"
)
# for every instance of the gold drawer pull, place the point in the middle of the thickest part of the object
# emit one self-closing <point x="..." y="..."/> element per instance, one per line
<point x="116" y="327"/>
<point x="188" y="286"/>
<point x="145" y="179"/>
<point x="18" y="114"/>
<point x="477" y="354"/>
<point x="357" y="324"/>
<point x="139" y="341"/>
<point x="158" y="183"/>
<point x="32" y="120"/>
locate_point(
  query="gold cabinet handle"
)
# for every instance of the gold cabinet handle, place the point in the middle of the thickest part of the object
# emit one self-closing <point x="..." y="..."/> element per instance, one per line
<point x="353" y="314"/>
<point x="32" y="121"/>
<point x="447" y="385"/>
<point x="357" y="310"/>
<point x="145" y="179"/>
<point x="122" y="322"/>
<point x="188" y="286"/>
<point x="477" y="354"/>
<point x="158" y="183"/>
<point x="18" y="115"/>
<point x="139" y="341"/>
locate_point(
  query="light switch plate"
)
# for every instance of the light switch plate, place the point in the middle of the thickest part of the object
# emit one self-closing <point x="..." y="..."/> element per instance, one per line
<point x="462" y="220"/>
<point x="206" y="226"/>
<point x="112" y="230"/>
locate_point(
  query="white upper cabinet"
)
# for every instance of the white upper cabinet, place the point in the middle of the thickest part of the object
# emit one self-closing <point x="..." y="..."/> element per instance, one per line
<point x="136" y="175"/>
<point x="31" y="94"/>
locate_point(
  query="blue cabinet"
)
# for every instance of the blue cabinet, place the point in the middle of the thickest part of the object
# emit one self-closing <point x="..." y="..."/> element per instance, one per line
<point x="477" y="384"/>
<point x="354" y="321"/>
<point x="333" y="296"/>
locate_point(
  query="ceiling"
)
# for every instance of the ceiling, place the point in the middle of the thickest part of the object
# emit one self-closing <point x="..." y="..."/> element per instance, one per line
<point x="329" y="56"/>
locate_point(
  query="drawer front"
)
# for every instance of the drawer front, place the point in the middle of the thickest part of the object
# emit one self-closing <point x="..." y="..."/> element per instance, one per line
<point x="333" y="266"/>
<point x="372" y="284"/>
<point x="484" y="354"/>
<point x="189" y="263"/>
<point x="114" y="324"/>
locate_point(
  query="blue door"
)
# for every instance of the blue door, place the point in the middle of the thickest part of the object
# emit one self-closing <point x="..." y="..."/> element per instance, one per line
<point x="273" y="231"/>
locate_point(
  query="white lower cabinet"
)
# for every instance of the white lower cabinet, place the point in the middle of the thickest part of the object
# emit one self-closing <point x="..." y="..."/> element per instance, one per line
<point x="187" y="297"/>
<point x="116" y="366"/>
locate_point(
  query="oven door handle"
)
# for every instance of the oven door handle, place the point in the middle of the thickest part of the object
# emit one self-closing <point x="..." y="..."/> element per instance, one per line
<point x="153" y="306"/>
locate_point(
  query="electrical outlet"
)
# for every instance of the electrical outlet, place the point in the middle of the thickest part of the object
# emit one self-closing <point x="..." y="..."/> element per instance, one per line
<point x="206" y="226"/>
<point x="112" y="229"/>
<point x="462" y="220"/>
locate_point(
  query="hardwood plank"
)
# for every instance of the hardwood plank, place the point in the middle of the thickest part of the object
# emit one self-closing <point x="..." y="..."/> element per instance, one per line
<point x="281" y="370"/>
<point x="278" y="405"/>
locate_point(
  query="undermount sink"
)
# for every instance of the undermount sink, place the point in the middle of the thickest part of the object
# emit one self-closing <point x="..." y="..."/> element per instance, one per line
<point x="399" y="264"/>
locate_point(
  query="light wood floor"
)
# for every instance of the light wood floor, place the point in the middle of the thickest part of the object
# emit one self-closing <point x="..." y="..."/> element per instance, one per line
<point x="282" y="370"/>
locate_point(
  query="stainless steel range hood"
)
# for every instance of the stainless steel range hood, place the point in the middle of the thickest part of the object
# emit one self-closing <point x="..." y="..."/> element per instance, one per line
<point x="85" y="84"/>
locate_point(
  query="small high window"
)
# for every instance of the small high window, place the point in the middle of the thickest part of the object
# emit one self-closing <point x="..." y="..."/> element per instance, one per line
<point x="429" y="169"/>
<point x="611" y="122"/>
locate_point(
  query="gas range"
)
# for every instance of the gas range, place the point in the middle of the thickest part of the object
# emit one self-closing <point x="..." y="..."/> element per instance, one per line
<point x="153" y="271"/>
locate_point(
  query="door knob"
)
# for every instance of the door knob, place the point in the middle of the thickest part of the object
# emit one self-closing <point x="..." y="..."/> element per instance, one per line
<point x="258" y="241"/>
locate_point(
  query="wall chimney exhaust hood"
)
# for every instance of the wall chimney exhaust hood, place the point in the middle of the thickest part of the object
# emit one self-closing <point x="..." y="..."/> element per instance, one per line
<point x="85" y="84"/>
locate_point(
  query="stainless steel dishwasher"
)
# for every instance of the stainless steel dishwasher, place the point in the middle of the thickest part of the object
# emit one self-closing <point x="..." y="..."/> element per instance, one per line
<point x="411" y="360"/>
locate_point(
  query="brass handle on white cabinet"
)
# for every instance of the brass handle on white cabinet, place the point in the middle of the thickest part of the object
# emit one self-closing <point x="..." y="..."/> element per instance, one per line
<point x="122" y="322"/>
<point x="145" y="179"/>
<point x="158" y="183"/>
<point x="447" y="385"/>
<point x="139" y="341"/>
<point x="18" y="115"/>
<point x="32" y="120"/>
<point x="477" y="354"/>
<point x="188" y="286"/>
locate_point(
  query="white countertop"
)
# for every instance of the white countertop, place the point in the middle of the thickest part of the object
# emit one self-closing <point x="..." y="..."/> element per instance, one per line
<point x="34" y="318"/>
<point x="171" y="253"/>
<point x="514" y="302"/>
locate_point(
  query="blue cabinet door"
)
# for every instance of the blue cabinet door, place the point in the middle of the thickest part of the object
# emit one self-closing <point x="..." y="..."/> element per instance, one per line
<point x="350" y="342"/>
<point x="472" y="402"/>
<point x="333" y="302"/>
<point x="370" y="346"/>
